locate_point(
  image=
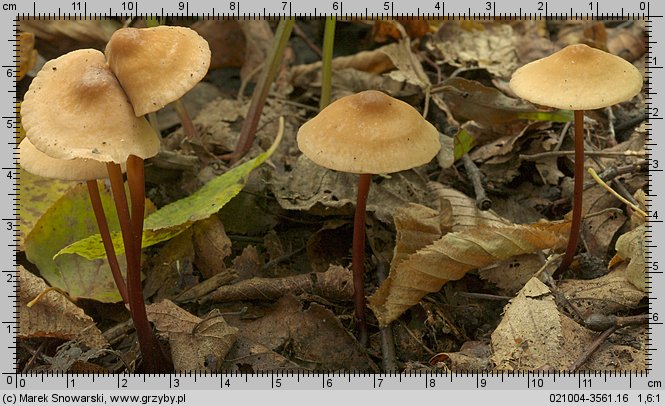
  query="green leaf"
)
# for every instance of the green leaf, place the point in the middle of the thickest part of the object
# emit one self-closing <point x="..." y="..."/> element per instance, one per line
<point x="176" y="217"/>
<point x="557" y="116"/>
<point x="463" y="142"/>
<point x="69" y="219"/>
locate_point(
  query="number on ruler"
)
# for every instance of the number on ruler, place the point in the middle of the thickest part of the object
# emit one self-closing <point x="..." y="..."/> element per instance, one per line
<point x="76" y="6"/>
<point x="654" y="163"/>
<point x="337" y="5"/>
<point x="654" y="112"/>
<point x="654" y="317"/>
<point x="129" y="5"/>
<point x="387" y="5"/>
<point x="10" y="73"/>
<point x="182" y="6"/>
<point x="286" y="5"/>
<point x="234" y="5"/>
<point x="11" y="278"/>
<point x="541" y="6"/>
<point x="438" y="5"/>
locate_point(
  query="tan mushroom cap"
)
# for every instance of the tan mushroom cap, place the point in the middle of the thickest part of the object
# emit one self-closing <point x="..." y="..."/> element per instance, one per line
<point x="75" y="108"/>
<point x="369" y="132"/>
<point x="577" y="77"/>
<point x="40" y="164"/>
<point x="157" y="65"/>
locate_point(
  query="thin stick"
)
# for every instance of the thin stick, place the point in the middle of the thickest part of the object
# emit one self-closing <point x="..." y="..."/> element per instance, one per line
<point x="482" y="201"/>
<point x="535" y="157"/>
<point x="592" y="348"/>
<point x="358" y="256"/>
<point x="598" y="180"/>
<point x="300" y="33"/>
<point x="186" y="120"/>
<point x="100" y="216"/>
<point x="578" y="190"/>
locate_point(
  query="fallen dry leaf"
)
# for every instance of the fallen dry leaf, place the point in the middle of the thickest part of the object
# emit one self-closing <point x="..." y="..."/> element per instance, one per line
<point x="26" y="54"/>
<point x="226" y="40"/>
<point x="631" y="246"/>
<point x="313" y="338"/>
<point x="59" y="36"/>
<point x="511" y="275"/>
<point x="452" y="256"/>
<point x="53" y="315"/>
<point x="196" y="344"/>
<point x="608" y="294"/>
<point x="211" y="245"/>
<point x="533" y="334"/>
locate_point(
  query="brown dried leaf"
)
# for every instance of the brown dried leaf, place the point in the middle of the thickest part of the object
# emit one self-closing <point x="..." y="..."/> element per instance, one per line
<point x="314" y="338"/>
<point x="452" y="256"/>
<point x="533" y="334"/>
<point x="56" y="37"/>
<point x="53" y="316"/>
<point x="491" y="47"/>
<point x="384" y="30"/>
<point x="196" y="344"/>
<point x="211" y="245"/>
<point x="465" y="214"/>
<point x="511" y="275"/>
<point x="607" y="294"/>
<point x="171" y="269"/>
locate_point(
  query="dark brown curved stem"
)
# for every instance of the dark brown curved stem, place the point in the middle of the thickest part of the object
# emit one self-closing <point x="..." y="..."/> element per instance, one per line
<point x="578" y="190"/>
<point x="100" y="216"/>
<point x="358" y="256"/>
<point x="153" y="358"/>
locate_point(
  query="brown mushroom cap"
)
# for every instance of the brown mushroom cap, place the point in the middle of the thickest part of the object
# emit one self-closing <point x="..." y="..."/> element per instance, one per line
<point x="40" y="164"/>
<point x="369" y="132"/>
<point x="75" y="108"/>
<point x="157" y="65"/>
<point x="577" y="77"/>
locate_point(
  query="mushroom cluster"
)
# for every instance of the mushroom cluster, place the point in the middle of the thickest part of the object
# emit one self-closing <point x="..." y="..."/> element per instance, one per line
<point x="577" y="78"/>
<point x="367" y="133"/>
<point x="83" y="121"/>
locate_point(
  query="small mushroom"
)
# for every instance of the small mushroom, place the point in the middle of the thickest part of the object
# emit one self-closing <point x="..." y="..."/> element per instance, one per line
<point x="578" y="78"/>
<point x="367" y="133"/>
<point x="75" y="109"/>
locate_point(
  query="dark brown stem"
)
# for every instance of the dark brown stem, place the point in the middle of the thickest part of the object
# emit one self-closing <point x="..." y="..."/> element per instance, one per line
<point x="358" y="256"/>
<point x="152" y="355"/>
<point x="136" y="183"/>
<point x="100" y="216"/>
<point x="186" y="121"/>
<point x="578" y="190"/>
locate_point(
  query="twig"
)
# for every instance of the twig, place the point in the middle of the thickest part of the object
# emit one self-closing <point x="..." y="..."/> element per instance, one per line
<point x="472" y="171"/>
<point x="299" y="32"/>
<point x="562" y="137"/>
<point x="283" y="258"/>
<point x="595" y="177"/>
<point x="616" y="323"/>
<point x="549" y="154"/>
<point x="484" y="296"/>
<point x="612" y="172"/>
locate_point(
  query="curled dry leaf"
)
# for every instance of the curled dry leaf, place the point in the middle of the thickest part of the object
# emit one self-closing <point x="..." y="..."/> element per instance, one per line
<point x="53" y="316"/>
<point x="453" y="255"/>
<point x="335" y="284"/>
<point x="211" y="245"/>
<point x="631" y="246"/>
<point x="533" y="334"/>
<point x="608" y="294"/>
<point x="196" y="344"/>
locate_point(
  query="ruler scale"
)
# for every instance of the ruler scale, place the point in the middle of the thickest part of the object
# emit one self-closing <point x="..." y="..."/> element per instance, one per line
<point x="642" y="387"/>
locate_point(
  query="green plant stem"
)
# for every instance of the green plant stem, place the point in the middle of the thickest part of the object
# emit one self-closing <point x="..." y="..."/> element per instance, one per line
<point x="100" y="216"/>
<point x="578" y="191"/>
<point x="358" y="256"/>
<point x="327" y="56"/>
<point x="248" y="129"/>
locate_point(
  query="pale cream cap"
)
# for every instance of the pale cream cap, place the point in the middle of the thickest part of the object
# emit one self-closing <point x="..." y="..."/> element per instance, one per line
<point x="369" y="132"/>
<point x="157" y="65"/>
<point x="75" y="108"/>
<point x="40" y="164"/>
<point x="577" y="77"/>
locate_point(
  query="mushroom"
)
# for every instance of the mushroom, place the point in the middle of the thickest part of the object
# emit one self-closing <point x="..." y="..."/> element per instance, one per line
<point x="157" y="66"/>
<point x="75" y="109"/>
<point x="367" y="133"/>
<point x="578" y="78"/>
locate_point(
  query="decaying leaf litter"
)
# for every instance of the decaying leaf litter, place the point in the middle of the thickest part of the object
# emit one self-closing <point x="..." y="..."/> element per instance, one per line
<point x="260" y="280"/>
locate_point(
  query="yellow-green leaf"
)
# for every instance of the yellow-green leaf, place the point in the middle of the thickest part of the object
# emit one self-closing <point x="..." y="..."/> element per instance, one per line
<point x="69" y="219"/>
<point x="176" y="217"/>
